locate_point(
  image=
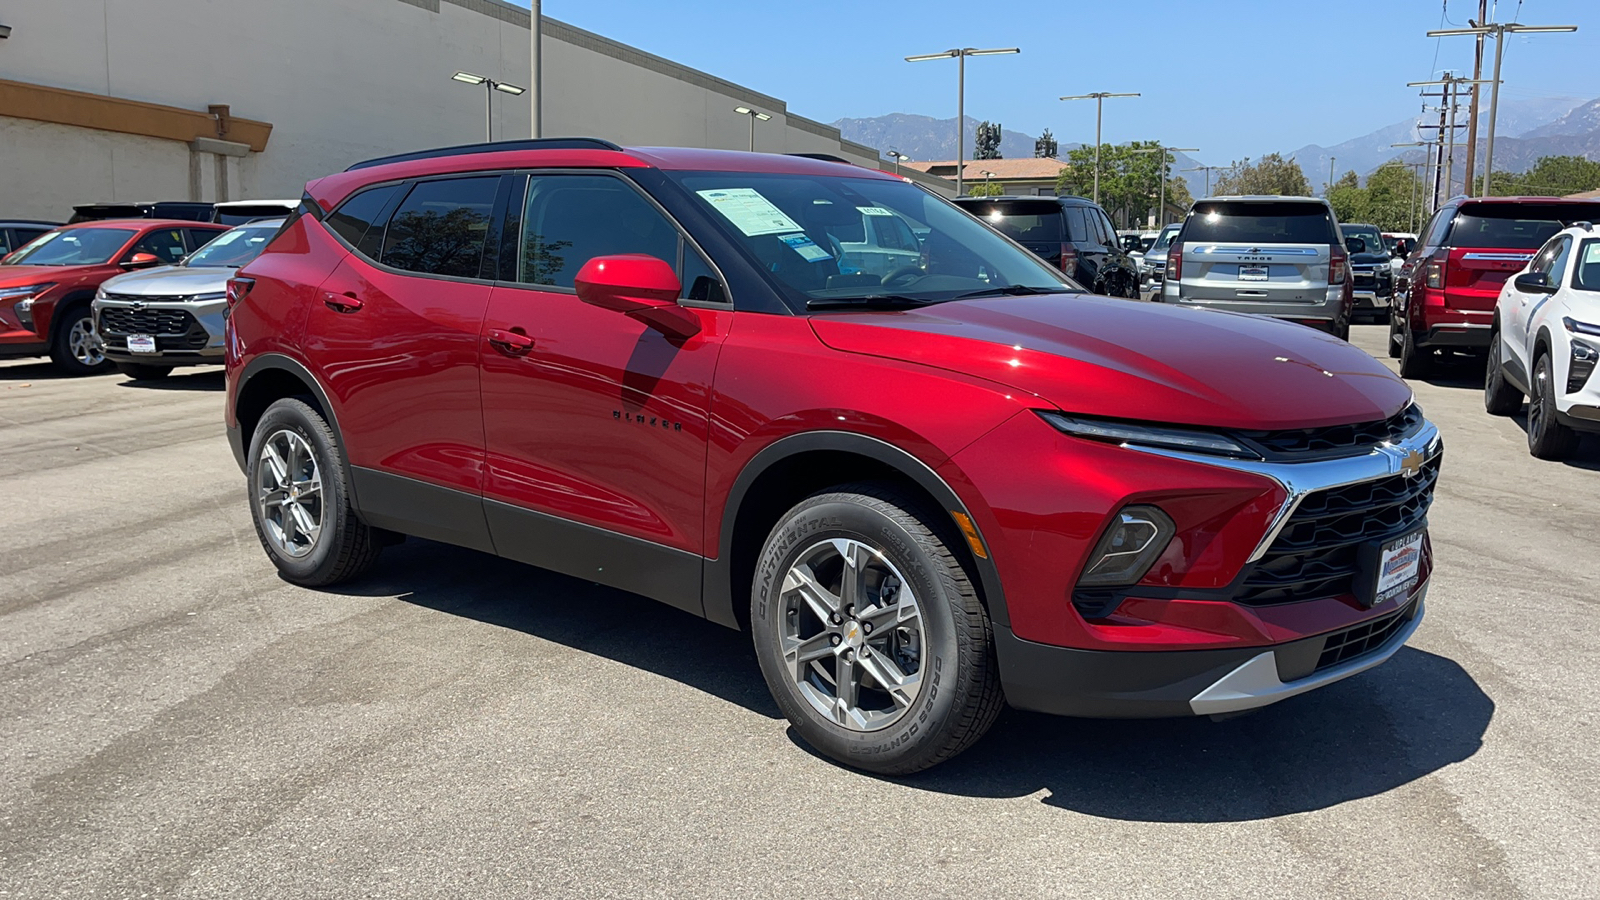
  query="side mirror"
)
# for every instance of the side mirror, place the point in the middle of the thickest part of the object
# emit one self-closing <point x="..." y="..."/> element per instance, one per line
<point x="638" y="285"/>
<point x="141" y="261"/>
<point x="1534" y="283"/>
<point x="1355" y="245"/>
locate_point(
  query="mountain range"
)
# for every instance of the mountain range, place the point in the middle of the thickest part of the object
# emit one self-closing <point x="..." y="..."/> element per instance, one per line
<point x="1527" y="130"/>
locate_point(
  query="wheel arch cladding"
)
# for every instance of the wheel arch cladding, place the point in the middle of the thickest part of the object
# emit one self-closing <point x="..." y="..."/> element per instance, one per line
<point x="795" y="467"/>
<point x="68" y="303"/>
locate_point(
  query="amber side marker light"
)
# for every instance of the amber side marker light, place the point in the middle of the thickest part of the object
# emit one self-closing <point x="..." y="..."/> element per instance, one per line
<point x="976" y="543"/>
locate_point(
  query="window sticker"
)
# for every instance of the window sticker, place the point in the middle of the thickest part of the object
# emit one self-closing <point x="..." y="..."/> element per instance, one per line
<point x="228" y="238"/>
<point x="1591" y="253"/>
<point x="874" y="211"/>
<point x="807" y="248"/>
<point x="749" y="212"/>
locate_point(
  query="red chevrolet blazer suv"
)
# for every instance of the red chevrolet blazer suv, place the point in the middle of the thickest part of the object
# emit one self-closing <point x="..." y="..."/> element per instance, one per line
<point x="927" y="483"/>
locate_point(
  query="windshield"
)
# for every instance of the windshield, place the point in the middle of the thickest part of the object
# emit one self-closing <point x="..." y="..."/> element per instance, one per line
<point x="1165" y="239"/>
<point x="810" y="234"/>
<point x="234" y="248"/>
<point x="1514" y="226"/>
<point x="1367" y="234"/>
<point x="74" y="247"/>
<point x="1245" y="222"/>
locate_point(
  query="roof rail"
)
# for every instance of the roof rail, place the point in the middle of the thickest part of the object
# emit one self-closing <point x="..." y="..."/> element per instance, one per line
<point x="567" y="143"/>
<point x="825" y="157"/>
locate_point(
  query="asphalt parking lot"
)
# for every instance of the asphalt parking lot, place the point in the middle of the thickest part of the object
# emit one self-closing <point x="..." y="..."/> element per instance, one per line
<point x="177" y="721"/>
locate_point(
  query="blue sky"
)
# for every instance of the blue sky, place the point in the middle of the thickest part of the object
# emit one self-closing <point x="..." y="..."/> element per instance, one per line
<point x="1235" y="78"/>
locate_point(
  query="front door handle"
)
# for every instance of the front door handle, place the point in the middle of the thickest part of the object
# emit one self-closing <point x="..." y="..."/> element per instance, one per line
<point x="512" y="343"/>
<point x="345" y="303"/>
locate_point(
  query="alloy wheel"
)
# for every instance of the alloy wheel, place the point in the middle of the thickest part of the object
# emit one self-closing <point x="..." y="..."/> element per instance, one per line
<point x="852" y="634"/>
<point x="83" y="342"/>
<point x="289" y="493"/>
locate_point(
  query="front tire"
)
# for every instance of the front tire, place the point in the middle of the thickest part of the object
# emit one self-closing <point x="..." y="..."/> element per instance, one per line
<point x="870" y="633"/>
<point x="300" y="499"/>
<point x="1547" y="437"/>
<point x="1499" y="397"/>
<point x="76" y="349"/>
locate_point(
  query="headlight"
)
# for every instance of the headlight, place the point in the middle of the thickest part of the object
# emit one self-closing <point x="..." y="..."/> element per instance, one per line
<point x="1193" y="441"/>
<point x="25" y="291"/>
<point x="1576" y="327"/>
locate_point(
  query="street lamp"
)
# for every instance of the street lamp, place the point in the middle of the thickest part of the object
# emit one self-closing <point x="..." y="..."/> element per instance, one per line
<point x="1099" y="98"/>
<point x="490" y="86"/>
<point x="1161" y="209"/>
<point x="1208" y="170"/>
<point x="986" y="176"/>
<point x="754" y="117"/>
<point x="898" y="158"/>
<point x="1498" y="31"/>
<point x="960" y="56"/>
<point x="1331" y="161"/>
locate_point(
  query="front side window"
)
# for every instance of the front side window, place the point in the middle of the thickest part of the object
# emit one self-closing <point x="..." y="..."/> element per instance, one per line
<point x="165" y="244"/>
<point x="441" y="227"/>
<point x="73" y="247"/>
<point x="571" y="219"/>
<point x="1558" y="265"/>
<point x="1586" y="277"/>
<point x="793" y="227"/>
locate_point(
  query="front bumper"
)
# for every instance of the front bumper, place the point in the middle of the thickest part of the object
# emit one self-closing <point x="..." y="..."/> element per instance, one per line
<point x="1138" y="684"/>
<point x="190" y="334"/>
<point x="1365" y="299"/>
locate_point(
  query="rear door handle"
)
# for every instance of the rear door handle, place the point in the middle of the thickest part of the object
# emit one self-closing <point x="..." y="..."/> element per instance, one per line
<point x="510" y="342"/>
<point x="345" y="303"/>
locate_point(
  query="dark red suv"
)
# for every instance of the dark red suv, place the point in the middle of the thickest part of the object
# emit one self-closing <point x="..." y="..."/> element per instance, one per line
<point x="925" y="491"/>
<point x="1444" y="300"/>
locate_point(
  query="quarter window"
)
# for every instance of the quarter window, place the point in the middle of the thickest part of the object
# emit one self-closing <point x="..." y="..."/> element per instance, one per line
<point x="571" y="219"/>
<point x="441" y="227"/>
<point x="357" y="219"/>
<point x="1439" y="227"/>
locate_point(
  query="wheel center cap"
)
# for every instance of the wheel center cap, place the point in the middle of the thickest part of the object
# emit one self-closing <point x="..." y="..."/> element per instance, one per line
<point x="853" y="636"/>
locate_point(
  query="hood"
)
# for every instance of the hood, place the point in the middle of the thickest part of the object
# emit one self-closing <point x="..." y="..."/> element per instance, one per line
<point x="17" y="275"/>
<point x="1147" y="361"/>
<point x="171" y="281"/>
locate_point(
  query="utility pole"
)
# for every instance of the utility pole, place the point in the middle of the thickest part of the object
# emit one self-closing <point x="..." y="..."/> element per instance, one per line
<point x="960" y="54"/>
<point x="1099" y="98"/>
<point x="1472" y="105"/>
<point x="1498" y="31"/>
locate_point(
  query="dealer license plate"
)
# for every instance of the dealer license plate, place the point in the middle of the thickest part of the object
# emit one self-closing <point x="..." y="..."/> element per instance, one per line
<point x="1253" y="273"/>
<point x="1399" y="564"/>
<point x="141" y="343"/>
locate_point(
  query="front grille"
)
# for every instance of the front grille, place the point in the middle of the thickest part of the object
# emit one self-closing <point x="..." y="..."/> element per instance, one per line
<point x="1364" y="279"/>
<point x="1317" y="554"/>
<point x="1307" y="444"/>
<point x="1361" y="639"/>
<point x="125" y="320"/>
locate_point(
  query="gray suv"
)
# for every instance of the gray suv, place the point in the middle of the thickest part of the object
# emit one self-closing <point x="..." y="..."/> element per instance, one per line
<point x="1273" y="256"/>
<point x="153" y="320"/>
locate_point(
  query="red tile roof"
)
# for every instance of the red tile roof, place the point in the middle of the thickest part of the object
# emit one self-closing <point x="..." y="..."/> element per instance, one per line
<point x="1032" y="168"/>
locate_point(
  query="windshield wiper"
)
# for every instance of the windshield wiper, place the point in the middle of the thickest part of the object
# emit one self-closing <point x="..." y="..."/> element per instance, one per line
<point x="869" y="301"/>
<point x="1015" y="290"/>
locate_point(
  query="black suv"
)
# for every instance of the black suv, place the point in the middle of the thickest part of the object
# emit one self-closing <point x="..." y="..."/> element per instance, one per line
<point x="1371" y="271"/>
<point x="1071" y="233"/>
<point x="159" y="209"/>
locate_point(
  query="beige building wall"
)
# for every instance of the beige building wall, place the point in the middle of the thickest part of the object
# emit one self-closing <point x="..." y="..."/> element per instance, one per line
<point x="340" y="81"/>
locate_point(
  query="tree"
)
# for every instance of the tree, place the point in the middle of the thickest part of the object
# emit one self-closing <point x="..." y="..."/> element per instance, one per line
<point x="985" y="189"/>
<point x="1272" y="175"/>
<point x="988" y="141"/>
<point x="1046" y="147"/>
<point x="1551" y="176"/>
<point x="1388" y="200"/>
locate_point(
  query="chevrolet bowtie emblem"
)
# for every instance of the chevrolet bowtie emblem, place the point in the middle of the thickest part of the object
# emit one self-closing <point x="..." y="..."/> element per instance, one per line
<point x="1410" y="464"/>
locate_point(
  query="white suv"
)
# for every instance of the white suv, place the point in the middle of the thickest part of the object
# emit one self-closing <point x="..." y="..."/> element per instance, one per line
<point x="1546" y="340"/>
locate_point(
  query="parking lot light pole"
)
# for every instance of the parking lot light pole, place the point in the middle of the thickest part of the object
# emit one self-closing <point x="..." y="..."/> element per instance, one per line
<point x="1161" y="208"/>
<point x="1208" y="170"/>
<point x="1331" y="161"/>
<point x="1498" y="31"/>
<point x="898" y="158"/>
<point x="960" y="55"/>
<point x="489" y="87"/>
<point x="754" y="118"/>
<point x="1099" y="98"/>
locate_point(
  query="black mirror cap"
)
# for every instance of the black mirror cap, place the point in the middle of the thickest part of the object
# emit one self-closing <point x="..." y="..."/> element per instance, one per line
<point x="1534" y="283"/>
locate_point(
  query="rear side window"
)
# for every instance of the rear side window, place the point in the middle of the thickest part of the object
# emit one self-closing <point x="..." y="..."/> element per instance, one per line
<point x="1259" y="223"/>
<point x="358" y="216"/>
<point x="1522" y="226"/>
<point x="441" y="227"/>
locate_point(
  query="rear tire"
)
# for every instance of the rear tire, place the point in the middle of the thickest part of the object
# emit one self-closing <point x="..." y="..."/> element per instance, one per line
<point x="916" y="691"/>
<point x="299" y="496"/>
<point x="1414" y="361"/>
<point x="1499" y="397"/>
<point x="1547" y="437"/>
<point x="76" y="348"/>
<point x="143" y="371"/>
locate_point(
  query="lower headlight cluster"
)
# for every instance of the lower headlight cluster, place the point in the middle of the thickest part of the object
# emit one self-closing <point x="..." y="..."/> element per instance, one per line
<point x="1584" y="356"/>
<point x="1126" y="551"/>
